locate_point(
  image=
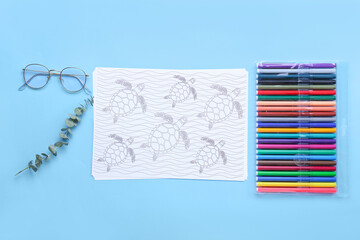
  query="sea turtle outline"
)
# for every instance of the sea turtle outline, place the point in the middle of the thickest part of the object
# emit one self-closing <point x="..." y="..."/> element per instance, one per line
<point x="126" y="100"/>
<point x="117" y="152"/>
<point x="180" y="91"/>
<point x="165" y="137"/>
<point x="220" y="107"/>
<point x="209" y="154"/>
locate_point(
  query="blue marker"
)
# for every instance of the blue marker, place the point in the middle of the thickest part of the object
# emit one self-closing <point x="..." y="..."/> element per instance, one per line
<point x="297" y="125"/>
<point x="297" y="157"/>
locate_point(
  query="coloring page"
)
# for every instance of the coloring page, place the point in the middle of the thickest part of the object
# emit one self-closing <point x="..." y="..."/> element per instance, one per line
<point x="157" y="123"/>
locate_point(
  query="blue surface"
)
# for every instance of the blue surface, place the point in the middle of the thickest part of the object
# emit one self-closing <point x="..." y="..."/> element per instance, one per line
<point x="62" y="201"/>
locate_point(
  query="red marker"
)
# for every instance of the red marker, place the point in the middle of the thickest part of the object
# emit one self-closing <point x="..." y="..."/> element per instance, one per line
<point x="295" y="168"/>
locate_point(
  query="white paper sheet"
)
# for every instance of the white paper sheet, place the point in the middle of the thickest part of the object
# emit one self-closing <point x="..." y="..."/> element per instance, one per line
<point x="152" y="123"/>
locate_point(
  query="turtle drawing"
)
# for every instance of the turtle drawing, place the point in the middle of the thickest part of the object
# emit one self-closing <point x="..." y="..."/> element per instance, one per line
<point x="210" y="154"/>
<point x="117" y="152"/>
<point x="181" y="91"/>
<point x="166" y="136"/>
<point x="125" y="101"/>
<point x="221" y="106"/>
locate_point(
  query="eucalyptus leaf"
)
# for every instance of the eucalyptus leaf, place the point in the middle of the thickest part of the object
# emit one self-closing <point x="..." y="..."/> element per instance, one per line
<point x="78" y="111"/>
<point x="75" y="121"/>
<point x="62" y="135"/>
<point x="44" y="154"/>
<point x="64" y="129"/>
<point x="74" y="117"/>
<point x="52" y="149"/>
<point x="38" y="163"/>
<point x="65" y="143"/>
<point x="30" y="164"/>
<point x="69" y="130"/>
<point x="69" y="123"/>
<point x="38" y="157"/>
<point x="33" y="168"/>
<point x="58" y="144"/>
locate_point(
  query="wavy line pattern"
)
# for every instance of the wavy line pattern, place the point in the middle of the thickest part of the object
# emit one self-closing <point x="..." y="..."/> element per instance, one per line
<point x="138" y="125"/>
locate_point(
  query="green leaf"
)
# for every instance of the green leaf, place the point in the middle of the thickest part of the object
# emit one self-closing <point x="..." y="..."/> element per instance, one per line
<point x="52" y="150"/>
<point x="38" y="157"/>
<point x="78" y="111"/>
<point x="75" y="118"/>
<point x="70" y="131"/>
<point x="63" y="129"/>
<point x="58" y="144"/>
<point x="32" y="166"/>
<point x="38" y="162"/>
<point x="91" y="100"/>
<point x="62" y="135"/>
<point x="69" y="123"/>
<point x="65" y="143"/>
<point x="75" y="121"/>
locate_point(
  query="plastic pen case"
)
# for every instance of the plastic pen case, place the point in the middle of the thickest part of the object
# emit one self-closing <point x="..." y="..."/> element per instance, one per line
<point x="296" y="128"/>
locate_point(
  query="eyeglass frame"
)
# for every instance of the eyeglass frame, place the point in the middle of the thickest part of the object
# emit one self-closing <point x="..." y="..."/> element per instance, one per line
<point x="54" y="72"/>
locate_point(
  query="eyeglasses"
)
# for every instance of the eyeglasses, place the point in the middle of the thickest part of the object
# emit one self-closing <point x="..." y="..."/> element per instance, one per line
<point x="36" y="76"/>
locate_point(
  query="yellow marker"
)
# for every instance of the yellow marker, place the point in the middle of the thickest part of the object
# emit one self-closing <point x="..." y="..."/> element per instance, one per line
<point x="296" y="184"/>
<point x="296" y="130"/>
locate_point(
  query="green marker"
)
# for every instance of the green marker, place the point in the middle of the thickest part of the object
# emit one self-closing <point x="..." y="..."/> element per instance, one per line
<point x="301" y="97"/>
<point x="296" y="173"/>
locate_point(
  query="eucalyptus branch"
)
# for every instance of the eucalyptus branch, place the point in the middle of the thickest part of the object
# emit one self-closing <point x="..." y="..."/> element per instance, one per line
<point x="64" y="134"/>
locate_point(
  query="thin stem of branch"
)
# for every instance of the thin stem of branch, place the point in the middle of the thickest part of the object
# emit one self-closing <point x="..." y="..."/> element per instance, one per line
<point x="22" y="170"/>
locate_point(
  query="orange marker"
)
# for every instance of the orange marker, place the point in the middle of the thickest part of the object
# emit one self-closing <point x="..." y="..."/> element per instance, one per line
<point x="296" y="130"/>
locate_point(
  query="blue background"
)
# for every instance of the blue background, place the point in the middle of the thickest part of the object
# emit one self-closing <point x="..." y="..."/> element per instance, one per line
<point x="62" y="200"/>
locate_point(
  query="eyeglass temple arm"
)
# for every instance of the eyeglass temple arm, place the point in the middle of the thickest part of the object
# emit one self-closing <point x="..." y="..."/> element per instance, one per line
<point x="87" y="91"/>
<point x="73" y="75"/>
<point x="22" y="86"/>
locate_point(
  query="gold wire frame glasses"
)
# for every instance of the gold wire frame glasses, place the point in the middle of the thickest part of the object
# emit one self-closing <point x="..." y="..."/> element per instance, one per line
<point x="36" y="76"/>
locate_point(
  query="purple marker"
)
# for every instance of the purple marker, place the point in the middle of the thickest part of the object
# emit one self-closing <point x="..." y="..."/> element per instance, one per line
<point x="296" y="125"/>
<point x="295" y="141"/>
<point x="296" y="65"/>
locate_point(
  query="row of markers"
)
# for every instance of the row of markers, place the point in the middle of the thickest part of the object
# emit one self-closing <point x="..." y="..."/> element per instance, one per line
<point x="296" y="128"/>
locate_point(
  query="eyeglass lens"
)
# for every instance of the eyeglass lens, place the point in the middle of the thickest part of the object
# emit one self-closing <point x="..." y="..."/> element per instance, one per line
<point x="73" y="79"/>
<point x="36" y="76"/>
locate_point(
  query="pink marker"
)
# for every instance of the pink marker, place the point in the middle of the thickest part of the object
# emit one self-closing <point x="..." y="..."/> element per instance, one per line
<point x="296" y="146"/>
<point x="295" y="190"/>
